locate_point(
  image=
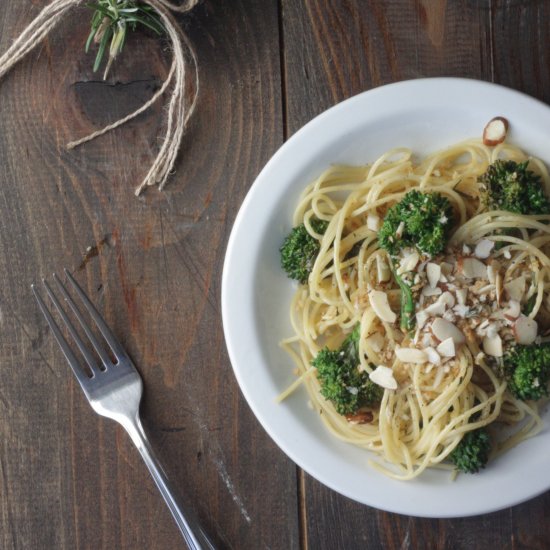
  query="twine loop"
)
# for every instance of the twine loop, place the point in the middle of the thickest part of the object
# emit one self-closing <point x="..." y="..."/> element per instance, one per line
<point x="180" y="108"/>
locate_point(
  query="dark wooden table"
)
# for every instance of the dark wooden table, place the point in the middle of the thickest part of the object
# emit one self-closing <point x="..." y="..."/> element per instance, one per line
<point x="70" y="479"/>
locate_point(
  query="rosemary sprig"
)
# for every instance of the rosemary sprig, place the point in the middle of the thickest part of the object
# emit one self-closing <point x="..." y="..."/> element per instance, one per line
<point x="111" y="21"/>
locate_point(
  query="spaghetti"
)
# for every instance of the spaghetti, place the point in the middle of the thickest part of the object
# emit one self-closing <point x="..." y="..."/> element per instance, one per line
<point x="447" y="380"/>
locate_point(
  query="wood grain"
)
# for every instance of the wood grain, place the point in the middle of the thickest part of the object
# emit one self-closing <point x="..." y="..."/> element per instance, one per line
<point x="520" y="53"/>
<point x="70" y="479"/>
<point x="334" y="50"/>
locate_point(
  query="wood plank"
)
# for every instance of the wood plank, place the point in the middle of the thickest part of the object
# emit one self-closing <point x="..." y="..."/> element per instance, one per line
<point x="334" y="50"/>
<point x="68" y="478"/>
<point x="520" y="58"/>
<point x="520" y="54"/>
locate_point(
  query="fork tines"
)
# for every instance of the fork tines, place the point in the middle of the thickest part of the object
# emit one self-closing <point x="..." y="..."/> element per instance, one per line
<point x="115" y="348"/>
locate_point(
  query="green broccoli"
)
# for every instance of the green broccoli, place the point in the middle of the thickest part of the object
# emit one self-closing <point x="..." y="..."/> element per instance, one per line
<point x="420" y="220"/>
<point x="299" y="250"/>
<point x="341" y="381"/>
<point x="472" y="453"/>
<point x="509" y="185"/>
<point x="527" y="369"/>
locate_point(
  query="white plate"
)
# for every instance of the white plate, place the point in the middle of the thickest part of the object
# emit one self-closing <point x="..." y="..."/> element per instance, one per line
<point x="425" y="115"/>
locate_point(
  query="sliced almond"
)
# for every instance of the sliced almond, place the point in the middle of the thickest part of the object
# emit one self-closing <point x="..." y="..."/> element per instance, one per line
<point x="437" y="308"/>
<point x="381" y="306"/>
<point x="421" y="318"/>
<point x="515" y="288"/>
<point x="449" y="316"/>
<point x="400" y="229"/>
<point x="433" y="272"/>
<point x="446" y="268"/>
<point x="376" y="341"/>
<point x="409" y="262"/>
<point x="484" y="289"/>
<point x="433" y="357"/>
<point x="525" y="330"/>
<point x="495" y="131"/>
<point x="492" y="330"/>
<point x="443" y="329"/>
<point x="383" y="270"/>
<point x="513" y="310"/>
<point x="461" y="295"/>
<point x="373" y="221"/>
<point x="447" y="348"/>
<point x="448" y="299"/>
<point x="428" y="340"/>
<point x="429" y="291"/>
<point x="472" y="268"/>
<point x="421" y="266"/>
<point x="411" y="355"/>
<point x="493" y="345"/>
<point x="461" y="310"/>
<point x="483" y="249"/>
<point x="383" y="376"/>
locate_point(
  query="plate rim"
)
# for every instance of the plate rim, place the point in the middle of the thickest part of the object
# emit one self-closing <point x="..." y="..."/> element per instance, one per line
<point x="255" y="188"/>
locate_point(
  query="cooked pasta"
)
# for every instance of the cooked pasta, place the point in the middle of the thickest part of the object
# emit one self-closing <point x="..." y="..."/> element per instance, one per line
<point x="473" y="302"/>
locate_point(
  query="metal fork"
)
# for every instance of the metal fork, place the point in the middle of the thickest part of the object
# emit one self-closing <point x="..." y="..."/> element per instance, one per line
<point x="114" y="390"/>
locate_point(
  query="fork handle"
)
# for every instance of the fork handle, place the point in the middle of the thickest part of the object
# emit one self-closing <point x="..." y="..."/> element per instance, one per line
<point x="192" y="532"/>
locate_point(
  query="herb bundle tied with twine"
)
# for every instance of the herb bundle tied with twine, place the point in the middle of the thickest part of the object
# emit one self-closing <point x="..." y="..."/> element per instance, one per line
<point x="111" y="21"/>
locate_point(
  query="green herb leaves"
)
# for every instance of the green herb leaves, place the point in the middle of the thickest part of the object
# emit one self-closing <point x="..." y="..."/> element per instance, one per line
<point x="110" y="23"/>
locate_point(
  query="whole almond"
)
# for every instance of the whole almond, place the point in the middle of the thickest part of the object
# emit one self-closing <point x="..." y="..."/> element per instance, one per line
<point x="495" y="131"/>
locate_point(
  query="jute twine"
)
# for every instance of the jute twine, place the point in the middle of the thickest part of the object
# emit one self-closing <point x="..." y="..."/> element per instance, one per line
<point x="180" y="107"/>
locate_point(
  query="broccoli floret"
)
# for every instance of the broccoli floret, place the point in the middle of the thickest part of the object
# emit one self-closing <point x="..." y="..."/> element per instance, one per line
<point x="527" y="369"/>
<point x="341" y="381"/>
<point x="420" y="220"/>
<point x="472" y="453"/>
<point x="509" y="185"/>
<point x="299" y="250"/>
